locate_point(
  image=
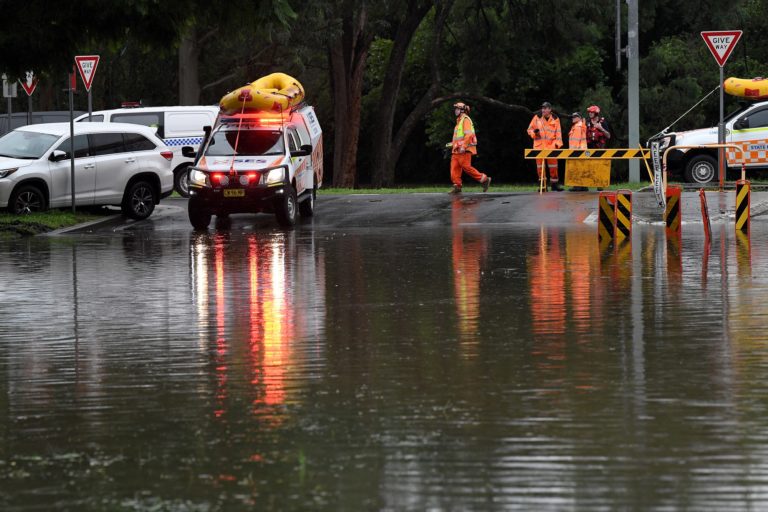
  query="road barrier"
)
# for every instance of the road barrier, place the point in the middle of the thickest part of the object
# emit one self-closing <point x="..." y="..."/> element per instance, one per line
<point x="672" y="212"/>
<point x="742" y="205"/>
<point x="705" y="215"/>
<point x="606" y="216"/>
<point x="623" y="214"/>
<point x="566" y="154"/>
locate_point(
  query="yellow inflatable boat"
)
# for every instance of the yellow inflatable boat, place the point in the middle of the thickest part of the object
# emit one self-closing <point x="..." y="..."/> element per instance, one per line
<point x="277" y="92"/>
<point x="750" y="88"/>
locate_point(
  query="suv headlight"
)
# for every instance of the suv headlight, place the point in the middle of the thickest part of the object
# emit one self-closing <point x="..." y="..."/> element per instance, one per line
<point x="197" y="177"/>
<point x="4" y="173"/>
<point x="274" y="176"/>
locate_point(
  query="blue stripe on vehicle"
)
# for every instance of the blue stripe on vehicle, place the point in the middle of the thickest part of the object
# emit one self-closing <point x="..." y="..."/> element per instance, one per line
<point x="183" y="141"/>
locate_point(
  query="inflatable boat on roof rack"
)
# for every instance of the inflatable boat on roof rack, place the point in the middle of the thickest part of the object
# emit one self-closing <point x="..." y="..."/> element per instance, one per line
<point x="749" y="88"/>
<point x="277" y="92"/>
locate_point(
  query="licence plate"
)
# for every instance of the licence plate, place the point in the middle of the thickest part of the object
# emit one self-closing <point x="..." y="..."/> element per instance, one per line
<point x="234" y="192"/>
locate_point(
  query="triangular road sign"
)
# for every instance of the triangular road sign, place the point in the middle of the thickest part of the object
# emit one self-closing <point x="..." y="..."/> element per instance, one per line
<point x="30" y="84"/>
<point x="721" y="43"/>
<point x="87" y="64"/>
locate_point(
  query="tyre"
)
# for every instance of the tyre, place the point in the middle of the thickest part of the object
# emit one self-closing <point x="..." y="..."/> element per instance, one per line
<point x="27" y="199"/>
<point x="285" y="208"/>
<point x="198" y="217"/>
<point x="181" y="181"/>
<point x="307" y="206"/>
<point x="701" y="169"/>
<point x="139" y="201"/>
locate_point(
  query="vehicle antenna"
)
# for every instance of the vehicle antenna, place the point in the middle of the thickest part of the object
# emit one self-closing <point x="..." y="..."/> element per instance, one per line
<point x="662" y="132"/>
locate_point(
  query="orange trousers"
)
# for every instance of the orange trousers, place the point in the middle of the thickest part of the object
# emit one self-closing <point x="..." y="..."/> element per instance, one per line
<point x="463" y="162"/>
<point x="551" y="166"/>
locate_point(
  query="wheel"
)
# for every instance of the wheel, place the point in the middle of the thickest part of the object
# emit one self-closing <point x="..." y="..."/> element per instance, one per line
<point x="26" y="199"/>
<point x="307" y="206"/>
<point x="139" y="201"/>
<point x="198" y="217"/>
<point x="701" y="169"/>
<point x="181" y="181"/>
<point x="285" y="208"/>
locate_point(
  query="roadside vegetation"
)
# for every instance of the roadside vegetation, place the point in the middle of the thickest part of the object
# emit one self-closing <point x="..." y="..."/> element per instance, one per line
<point x="43" y="222"/>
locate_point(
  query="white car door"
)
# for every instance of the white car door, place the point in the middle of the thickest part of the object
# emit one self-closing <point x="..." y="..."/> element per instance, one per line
<point x="752" y="137"/>
<point x="114" y="167"/>
<point x="300" y="163"/>
<point x="85" y="175"/>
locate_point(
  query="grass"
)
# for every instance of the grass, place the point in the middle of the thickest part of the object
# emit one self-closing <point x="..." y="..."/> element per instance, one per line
<point x="43" y="222"/>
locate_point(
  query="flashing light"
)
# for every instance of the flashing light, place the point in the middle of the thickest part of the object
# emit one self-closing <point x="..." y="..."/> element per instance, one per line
<point x="130" y="104"/>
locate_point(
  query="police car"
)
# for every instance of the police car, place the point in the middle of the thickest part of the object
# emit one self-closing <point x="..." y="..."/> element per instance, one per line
<point x="747" y="128"/>
<point x="257" y="162"/>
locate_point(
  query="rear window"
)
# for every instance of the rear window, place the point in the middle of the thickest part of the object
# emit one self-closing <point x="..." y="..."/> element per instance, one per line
<point x="250" y="142"/>
<point x="107" y="143"/>
<point x="95" y="118"/>
<point x="137" y="142"/>
<point x="152" y="119"/>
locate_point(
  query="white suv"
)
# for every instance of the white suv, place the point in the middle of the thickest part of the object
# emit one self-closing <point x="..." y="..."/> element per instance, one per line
<point x="115" y="164"/>
<point x="176" y="126"/>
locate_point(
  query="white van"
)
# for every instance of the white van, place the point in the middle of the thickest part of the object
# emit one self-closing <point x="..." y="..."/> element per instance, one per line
<point x="176" y="126"/>
<point x="747" y="128"/>
<point x="258" y="162"/>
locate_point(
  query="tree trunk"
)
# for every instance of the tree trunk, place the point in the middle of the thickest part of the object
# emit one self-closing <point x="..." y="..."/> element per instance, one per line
<point x="347" y="56"/>
<point x="383" y="166"/>
<point x="189" y="79"/>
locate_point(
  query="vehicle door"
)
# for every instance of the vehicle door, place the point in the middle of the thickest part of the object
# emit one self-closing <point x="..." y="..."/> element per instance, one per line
<point x="114" y="167"/>
<point x="300" y="163"/>
<point x="750" y="133"/>
<point x="61" y="173"/>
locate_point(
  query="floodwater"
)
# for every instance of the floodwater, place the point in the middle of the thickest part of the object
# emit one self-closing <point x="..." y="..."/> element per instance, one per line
<point x="458" y="367"/>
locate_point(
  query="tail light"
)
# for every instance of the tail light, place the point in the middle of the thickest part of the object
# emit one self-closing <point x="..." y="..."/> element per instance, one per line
<point x="168" y="155"/>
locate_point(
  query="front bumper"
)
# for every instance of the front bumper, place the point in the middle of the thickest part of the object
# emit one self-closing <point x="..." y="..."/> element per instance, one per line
<point x="260" y="198"/>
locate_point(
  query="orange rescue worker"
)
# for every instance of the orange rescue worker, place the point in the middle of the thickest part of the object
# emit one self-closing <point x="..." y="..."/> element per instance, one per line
<point x="463" y="146"/>
<point x="544" y="129"/>
<point x="577" y="137"/>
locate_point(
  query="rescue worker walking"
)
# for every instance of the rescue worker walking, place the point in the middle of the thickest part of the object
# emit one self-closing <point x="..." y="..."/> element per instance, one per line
<point x="463" y="146"/>
<point x="544" y="129"/>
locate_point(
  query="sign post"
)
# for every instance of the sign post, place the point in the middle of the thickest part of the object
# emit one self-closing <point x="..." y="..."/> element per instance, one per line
<point x="9" y="91"/>
<point x="721" y="44"/>
<point x="72" y="84"/>
<point x="87" y="65"/>
<point x="29" y="87"/>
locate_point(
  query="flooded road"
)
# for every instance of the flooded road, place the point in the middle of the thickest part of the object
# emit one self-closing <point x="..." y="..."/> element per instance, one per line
<point x="456" y="362"/>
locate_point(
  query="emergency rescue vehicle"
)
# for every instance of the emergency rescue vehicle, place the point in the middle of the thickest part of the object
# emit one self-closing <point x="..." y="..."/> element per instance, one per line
<point x="747" y="127"/>
<point x="257" y="162"/>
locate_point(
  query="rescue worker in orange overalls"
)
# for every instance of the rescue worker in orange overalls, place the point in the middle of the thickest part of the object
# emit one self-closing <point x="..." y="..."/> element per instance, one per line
<point x="544" y="129"/>
<point x="577" y="139"/>
<point x="463" y="146"/>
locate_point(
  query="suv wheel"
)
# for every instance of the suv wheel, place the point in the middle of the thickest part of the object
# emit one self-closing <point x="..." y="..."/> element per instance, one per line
<point x="307" y="206"/>
<point x="701" y="169"/>
<point x="181" y="181"/>
<point x="198" y="217"/>
<point x="285" y="208"/>
<point x="26" y="199"/>
<point x="139" y="201"/>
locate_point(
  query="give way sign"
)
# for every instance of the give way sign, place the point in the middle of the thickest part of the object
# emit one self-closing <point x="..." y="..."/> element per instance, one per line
<point x="87" y="64"/>
<point x="721" y="43"/>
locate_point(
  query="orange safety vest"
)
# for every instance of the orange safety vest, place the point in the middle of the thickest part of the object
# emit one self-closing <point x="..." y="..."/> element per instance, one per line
<point x="577" y="138"/>
<point x="464" y="135"/>
<point x="549" y="136"/>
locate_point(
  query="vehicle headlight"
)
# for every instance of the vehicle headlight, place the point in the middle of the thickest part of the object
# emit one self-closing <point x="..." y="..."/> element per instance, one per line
<point x="275" y="176"/>
<point x="665" y="142"/>
<point x="4" y="173"/>
<point x="197" y="177"/>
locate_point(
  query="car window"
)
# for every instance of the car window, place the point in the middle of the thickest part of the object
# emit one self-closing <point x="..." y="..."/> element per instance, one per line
<point x="81" y="146"/>
<point x="137" y="142"/>
<point x="759" y="119"/>
<point x="250" y="142"/>
<point x="95" y="118"/>
<point x="107" y="143"/>
<point x="26" y="145"/>
<point x="151" y="119"/>
<point x="292" y="145"/>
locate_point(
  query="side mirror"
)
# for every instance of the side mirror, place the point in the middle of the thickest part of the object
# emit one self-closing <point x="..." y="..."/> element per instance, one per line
<point x="305" y="150"/>
<point x="188" y="151"/>
<point x="57" y="155"/>
<point x="741" y="123"/>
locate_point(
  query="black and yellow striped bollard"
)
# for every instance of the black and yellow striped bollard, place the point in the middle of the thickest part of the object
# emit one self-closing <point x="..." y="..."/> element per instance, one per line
<point x="623" y="214"/>
<point x="606" y="216"/>
<point x="672" y="216"/>
<point x="742" y="205"/>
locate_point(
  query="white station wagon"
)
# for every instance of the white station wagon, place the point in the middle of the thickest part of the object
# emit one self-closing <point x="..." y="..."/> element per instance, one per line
<point x="125" y="165"/>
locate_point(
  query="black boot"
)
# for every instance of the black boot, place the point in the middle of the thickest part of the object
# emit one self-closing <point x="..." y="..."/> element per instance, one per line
<point x="556" y="186"/>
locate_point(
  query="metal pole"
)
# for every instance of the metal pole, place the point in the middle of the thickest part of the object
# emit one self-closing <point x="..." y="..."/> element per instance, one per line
<point x="72" y="137"/>
<point x="633" y="87"/>
<point x="29" y="109"/>
<point x="721" y="136"/>
<point x="10" y="113"/>
<point x="618" y="35"/>
<point x="90" y="106"/>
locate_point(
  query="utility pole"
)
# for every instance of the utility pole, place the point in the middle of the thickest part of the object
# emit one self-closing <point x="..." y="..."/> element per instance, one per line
<point x="633" y="87"/>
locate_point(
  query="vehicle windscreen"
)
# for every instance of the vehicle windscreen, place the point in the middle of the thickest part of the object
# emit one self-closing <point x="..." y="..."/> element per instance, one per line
<point x="26" y="145"/>
<point x="251" y="142"/>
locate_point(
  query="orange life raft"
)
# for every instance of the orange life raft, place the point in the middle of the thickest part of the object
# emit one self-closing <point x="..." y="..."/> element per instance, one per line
<point x="277" y="92"/>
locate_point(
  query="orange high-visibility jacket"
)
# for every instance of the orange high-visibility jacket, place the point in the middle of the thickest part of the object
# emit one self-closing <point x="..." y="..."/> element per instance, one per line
<point x="464" y="135"/>
<point x="549" y="136"/>
<point x="577" y="138"/>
